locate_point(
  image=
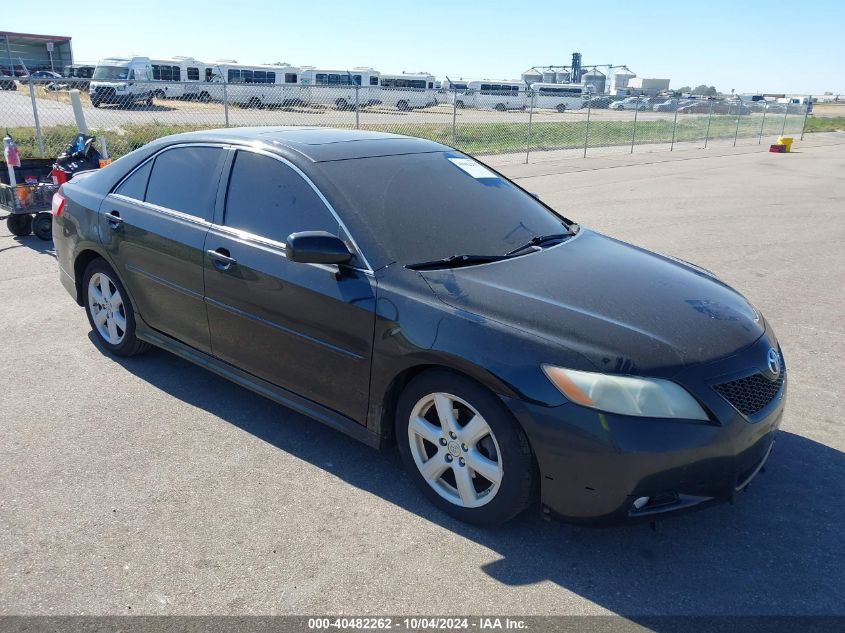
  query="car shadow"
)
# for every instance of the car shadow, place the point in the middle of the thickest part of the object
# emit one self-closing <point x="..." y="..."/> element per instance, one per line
<point x="9" y="242"/>
<point x="779" y="550"/>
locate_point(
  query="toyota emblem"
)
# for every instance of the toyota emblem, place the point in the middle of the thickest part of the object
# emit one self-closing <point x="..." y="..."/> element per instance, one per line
<point x="773" y="360"/>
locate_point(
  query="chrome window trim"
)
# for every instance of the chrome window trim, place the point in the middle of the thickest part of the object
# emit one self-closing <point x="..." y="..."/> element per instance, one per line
<point x="367" y="267"/>
<point x="179" y="215"/>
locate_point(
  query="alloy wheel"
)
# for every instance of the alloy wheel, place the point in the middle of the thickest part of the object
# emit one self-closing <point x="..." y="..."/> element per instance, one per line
<point x="455" y="450"/>
<point x="108" y="312"/>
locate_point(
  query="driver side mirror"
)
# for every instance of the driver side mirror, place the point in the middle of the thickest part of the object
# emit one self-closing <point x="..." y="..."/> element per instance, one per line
<point x="316" y="247"/>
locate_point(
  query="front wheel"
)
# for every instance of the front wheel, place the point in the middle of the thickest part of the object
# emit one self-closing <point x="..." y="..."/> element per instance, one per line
<point x="403" y="105"/>
<point x="110" y="311"/>
<point x="561" y="107"/>
<point x="500" y="107"/>
<point x="19" y="224"/>
<point x="463" y="448"/>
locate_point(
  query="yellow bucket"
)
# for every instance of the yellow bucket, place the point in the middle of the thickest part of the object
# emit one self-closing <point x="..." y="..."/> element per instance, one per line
<point x="785" y="140"/>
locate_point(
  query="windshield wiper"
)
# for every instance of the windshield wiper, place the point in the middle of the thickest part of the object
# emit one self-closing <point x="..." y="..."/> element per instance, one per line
<point x="539" y="240"/>
<point x="456" y="261"/>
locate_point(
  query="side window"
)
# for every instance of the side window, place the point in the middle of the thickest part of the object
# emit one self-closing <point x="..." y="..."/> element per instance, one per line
<point x="193" y="74"/>
<point x="268" y="198"/>
<point x="136" y="185"/>
<point x="182" y="179"/>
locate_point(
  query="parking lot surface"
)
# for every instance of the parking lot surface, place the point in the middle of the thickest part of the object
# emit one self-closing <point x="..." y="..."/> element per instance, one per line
<point x="151" y="486"/>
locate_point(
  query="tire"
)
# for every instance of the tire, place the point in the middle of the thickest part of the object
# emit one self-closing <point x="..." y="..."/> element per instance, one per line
<point x="19" y="224"/>
<point x="204" y="97"/>
<point x="149" y="101"/>
<point x="500" y="107"/>
<point x="121" y="340"/>
<point x="403" y="106"/>
<point x="159" y="94"/>
<point x="341" y="104"/>
<point x="254" y="102"/>
<point x="561" y="107"/>
<point x="95" y="103"/>
<point x="42" y="226"/>
<point x="460" y="105"/>
<point x="498" y="446"/>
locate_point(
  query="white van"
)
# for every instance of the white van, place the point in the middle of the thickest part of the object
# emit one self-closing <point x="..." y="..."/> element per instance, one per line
<point x="324" y="86"/>
<point x="180" y="77"/>
<point x="253" y="85"/>
<point x="450" y="89"/>
<point x="559" y="97"/>
<point x="499" y="95"/>
<point x="122" y="80"/>
<point x="407" y="91"/>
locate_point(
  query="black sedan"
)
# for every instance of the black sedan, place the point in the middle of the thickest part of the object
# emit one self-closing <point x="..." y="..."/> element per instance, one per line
<point x="402" y="292"/>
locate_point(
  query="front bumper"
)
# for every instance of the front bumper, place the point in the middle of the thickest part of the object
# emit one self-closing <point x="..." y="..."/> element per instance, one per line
<point x="594" y="465"/>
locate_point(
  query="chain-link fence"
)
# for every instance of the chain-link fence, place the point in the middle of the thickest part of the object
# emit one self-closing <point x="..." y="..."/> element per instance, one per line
<point x="521" y="125"/>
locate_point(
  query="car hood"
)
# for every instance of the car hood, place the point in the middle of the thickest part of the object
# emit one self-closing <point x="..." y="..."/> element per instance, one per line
<point x="625" y="309"/>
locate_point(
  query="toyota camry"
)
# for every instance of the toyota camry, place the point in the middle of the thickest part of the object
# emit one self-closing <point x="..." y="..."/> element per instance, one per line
<point x="404" y="293"/>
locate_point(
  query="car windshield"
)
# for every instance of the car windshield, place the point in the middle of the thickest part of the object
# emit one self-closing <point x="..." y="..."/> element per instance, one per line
<point x="111" y="72"/>
<point x="421" y="207"/>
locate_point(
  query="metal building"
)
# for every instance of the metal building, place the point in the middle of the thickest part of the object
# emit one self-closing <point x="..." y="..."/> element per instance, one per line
<point x="22" y="52"/>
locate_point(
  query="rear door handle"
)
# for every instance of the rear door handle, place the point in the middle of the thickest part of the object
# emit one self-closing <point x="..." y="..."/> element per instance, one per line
<point x="114" y="220"/>
<point x="222" y="259"/>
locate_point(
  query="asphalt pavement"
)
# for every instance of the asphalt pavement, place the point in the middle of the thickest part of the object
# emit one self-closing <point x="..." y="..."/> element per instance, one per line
<point x="151" y="486"/>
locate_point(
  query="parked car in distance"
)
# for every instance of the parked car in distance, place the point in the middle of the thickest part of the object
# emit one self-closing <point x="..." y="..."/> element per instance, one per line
<point x="599" y="102"/>
<point x="42" y="74"/>
<point x="7" y="83"/>
<point x="631" y="103"/>
<point x="716" y="107"/>
<point x="402" y="292"/>
<point x="670" y="105"/>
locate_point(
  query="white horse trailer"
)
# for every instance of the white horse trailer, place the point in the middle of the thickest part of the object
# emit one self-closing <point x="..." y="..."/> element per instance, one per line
<point x="254" y="85"/>
<point x="559" y="97"/>
<point x="337" y="88"/>
<point x="407" y="91"/>
<point x="180" y="77"/>
<point x="498" y="95"/>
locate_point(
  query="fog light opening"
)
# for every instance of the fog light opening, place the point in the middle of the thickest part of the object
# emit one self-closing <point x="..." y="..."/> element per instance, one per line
<point x="640" y="502"/>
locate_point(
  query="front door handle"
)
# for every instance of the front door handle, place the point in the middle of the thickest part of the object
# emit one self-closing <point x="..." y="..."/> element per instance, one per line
<point x="114" y="220"/>
<point x="222" y="259"/>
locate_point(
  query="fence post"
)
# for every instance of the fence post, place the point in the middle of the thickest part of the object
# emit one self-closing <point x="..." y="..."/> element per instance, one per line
<point x="530" y="121"/>
<point x="738" y="113"/>
<point x="38" y="136"/>
<point x="763" y="123"/>
<point x="709" y="118"/>
<point x="785" y="114"/>
<point x="587" y="128"/>
<point x="225" y="104"/>
<point x="674" y="126"/>
<point x="78" y="112"/>
<point x="806" y="112"/>
<point x="357" y="109"/>
<point x="634" y="131"/>
<point x="454" y="113"/>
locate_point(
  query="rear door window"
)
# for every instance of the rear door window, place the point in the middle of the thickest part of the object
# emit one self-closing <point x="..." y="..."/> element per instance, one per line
<point x="268" y="198"/>
<point x="184" y="179"/>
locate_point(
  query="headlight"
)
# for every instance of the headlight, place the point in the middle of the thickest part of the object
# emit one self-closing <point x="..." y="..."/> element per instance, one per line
<point x="120" y="87"/>
<point x="627" y="395"/>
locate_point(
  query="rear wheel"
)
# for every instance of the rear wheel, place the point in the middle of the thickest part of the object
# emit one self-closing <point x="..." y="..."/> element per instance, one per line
<point x="341" y="104"/>
<point x="464" y="449"/>
<point x="204" y="97"/>
<point x="159" y="94"/>
<point x="561" y="107"/>
<point x="500" y="107"/>
<point x="403" y="106"/>
<point x="19" y="224"/>
<point x="459" y="104"/>
<point x="110" y="311"/>
<point x="95" y="103"/>
<point x="254" y="102"/>
<point x="42" y="225"/>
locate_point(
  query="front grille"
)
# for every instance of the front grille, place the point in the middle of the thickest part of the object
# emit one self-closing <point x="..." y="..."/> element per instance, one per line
<point x="104" y="92"/>
<point x="751" y="394"/>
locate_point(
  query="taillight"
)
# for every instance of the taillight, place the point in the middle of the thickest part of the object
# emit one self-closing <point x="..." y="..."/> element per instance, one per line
<point x="58" y="204"/>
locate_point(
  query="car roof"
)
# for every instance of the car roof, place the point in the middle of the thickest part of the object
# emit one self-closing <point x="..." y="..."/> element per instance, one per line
<point x="316" y="144"/>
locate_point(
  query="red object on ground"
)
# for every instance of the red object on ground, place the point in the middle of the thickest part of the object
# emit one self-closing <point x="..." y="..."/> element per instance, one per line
<point x="778" y="148"/>
<point x="59" y="176"/>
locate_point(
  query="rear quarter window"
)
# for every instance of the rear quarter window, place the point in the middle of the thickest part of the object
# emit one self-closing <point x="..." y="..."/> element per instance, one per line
<point x="135" y="186"/>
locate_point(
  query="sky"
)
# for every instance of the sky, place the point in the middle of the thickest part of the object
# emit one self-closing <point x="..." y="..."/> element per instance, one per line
<point x="748" y="46"/>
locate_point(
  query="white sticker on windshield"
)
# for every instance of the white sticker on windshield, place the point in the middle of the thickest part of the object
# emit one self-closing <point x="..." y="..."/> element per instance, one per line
<point x="476" y="170"/>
